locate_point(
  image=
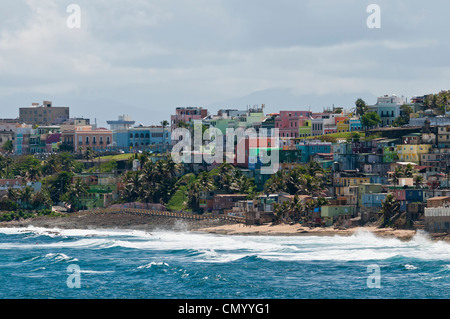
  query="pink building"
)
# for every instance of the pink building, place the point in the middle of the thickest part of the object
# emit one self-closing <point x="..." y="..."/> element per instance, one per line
<point x="187" y="114"/>
<point x="98" y="139"/>
<point x="288" y="122"/>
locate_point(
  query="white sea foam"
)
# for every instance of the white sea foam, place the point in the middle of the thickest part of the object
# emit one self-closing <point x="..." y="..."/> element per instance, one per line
<point x="96" y="271"/>
<point x="198" y="247"/>
<point x="152" y="264"/>
<point x="410" y="267"/>
<point x="55" y="232"/>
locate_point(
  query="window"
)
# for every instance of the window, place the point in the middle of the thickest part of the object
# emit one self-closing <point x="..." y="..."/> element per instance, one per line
<point x="87" y="139"/>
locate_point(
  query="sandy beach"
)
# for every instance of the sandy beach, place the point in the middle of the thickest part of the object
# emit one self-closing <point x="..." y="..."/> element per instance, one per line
<point x="212" y="226"/>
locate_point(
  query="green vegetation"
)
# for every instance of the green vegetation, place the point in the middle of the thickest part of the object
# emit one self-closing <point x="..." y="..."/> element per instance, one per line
<point x="309" y="180"/>
<point x="8" y="146"/>
<point x="437" y="102"/>
<point x="104" y="167"/>
<point x="119" y="157"/>
<point x="406" y="111"/>
<point x="361" y="107"/>
<point x="23" y="214"/>
<point x="391" y="211"/>
<point x="297" y="210"/>
<point x="370" y="120"/>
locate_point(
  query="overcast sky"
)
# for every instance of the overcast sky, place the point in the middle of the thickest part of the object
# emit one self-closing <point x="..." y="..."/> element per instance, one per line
<point x="148" y="57"/>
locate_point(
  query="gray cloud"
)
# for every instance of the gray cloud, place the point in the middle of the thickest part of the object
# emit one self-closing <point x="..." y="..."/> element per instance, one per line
<point x="156" y="55"/>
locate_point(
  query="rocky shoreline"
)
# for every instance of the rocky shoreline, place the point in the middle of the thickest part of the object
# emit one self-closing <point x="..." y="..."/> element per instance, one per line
<point x="120" y="221"/>
<point x="212" y="226"/>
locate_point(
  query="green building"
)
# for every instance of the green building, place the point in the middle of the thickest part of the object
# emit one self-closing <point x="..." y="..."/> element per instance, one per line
<point x="329" y="213"/>
<point x="305" y="130"/>
<point x="367" y="188"/>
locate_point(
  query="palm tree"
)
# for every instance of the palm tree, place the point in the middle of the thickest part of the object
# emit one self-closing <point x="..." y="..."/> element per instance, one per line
<point x="33" y="174"/>
<point x="67" y="163"/>
<point x="42" y="199"/>
<point x="281" y="211"/>
<point x="75" y="193"/>
<point x="398" y="173"/>
<point x="390" y="209"/>
<point x="361" y="107"/>
<point x="51" y="165"/>
<point x="295" y="207"/>
<point x="25" y="195"/>
<point x="418" y="179"/>
<point x="12" y="194"/>
<point x="132" y="187"/>
<point x="408" y="171"/>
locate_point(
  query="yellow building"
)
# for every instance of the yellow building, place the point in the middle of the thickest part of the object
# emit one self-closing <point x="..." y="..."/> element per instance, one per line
<point x="343" y="125"/>
<point x="350" y="181"/>
<point x="412" y="153"/>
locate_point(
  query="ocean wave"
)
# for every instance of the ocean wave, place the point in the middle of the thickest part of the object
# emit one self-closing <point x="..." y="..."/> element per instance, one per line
<point x="96" y="271"/>
<point x="60" y="232"/>
<point x="160" y="265"/>
<point x="50" y="257"/>
<point x="410" y="267"/>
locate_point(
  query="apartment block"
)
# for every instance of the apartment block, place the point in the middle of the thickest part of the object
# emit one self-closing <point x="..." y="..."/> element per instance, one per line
<point x="45" y="114"/>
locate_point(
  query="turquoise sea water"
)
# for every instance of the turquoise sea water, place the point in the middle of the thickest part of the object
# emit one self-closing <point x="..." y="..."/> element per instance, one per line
<point x="39" y="263"/>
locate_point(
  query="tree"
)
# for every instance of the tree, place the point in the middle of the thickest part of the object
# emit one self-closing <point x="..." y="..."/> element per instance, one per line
<point x="370" y="119"/>
<point x="5" y="164"/>
<point x="132" y="186"/>
<point x="354" y="136"/>
<point x="398" y="173"/>
<point x="303" y="180"/>
<point x="8" y="146"/>
<point x="403" y="119"/>
<point x="13" y="194"/>
<point x="361" y="107"/>
<point x="390" y="209"/>
<point x="408" y="171"/>
<point x="25" y="195"/>
<point x="74" y="194"/>
<point x="58" y="185"/>
<point x="204" y="182"/>
<point x="418" y="179"/>
<point x="41" y="200"/>
<point x="33" y="174"/>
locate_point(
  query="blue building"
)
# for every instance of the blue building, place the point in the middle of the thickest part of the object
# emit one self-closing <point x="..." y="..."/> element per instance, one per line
<point x="373" y="200"/>
<point x="311" y="148"/>
<point x="355" y="125"/>
<point x="143" y="138"/>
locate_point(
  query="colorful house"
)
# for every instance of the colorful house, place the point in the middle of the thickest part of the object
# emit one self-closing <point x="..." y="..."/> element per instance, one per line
<point x="412" y="153"/>
<point x="330" y="213"/>
<point x="373" y="200"/>
<point x="350" y="181"/>
<point x="305" y="129"/>
<point x="342" y="124"/>
<point x="288" y="122"/>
